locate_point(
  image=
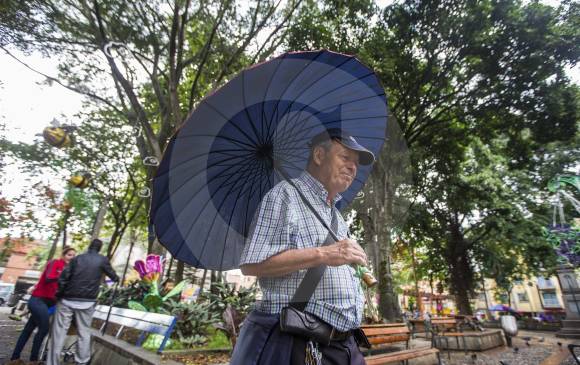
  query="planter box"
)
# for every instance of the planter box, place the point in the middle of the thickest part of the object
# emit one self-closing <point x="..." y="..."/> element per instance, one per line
<point x="470" y="341"/>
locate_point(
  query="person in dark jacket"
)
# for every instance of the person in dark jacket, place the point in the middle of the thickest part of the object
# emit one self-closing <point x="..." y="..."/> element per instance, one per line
<point x="78" y="288"/>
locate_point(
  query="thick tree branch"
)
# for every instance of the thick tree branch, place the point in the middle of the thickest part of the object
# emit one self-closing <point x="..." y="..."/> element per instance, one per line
<point x="128" y="88"/>
<point x="206" y="49"/>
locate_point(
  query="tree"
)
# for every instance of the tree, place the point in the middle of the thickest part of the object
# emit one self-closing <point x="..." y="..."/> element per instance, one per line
<point x="147" y="63"/>
<point x="454" y="70"/>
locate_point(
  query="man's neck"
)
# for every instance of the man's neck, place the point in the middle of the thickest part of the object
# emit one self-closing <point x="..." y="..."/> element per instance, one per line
<point x="331" y="195"/>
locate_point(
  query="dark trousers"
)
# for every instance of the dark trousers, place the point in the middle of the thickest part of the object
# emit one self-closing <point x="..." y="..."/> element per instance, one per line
<point x="39" y="318"/>
<point x="262" y="343"/>
<point x="336" y="353"/>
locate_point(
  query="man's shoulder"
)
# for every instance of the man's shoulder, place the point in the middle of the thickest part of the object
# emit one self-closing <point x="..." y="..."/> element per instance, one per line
<point x="281" y="191"/>
<point x="92" y="256"/>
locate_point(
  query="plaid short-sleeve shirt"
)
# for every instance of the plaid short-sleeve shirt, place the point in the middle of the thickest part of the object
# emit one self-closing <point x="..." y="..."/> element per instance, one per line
<point x="284" y="222"/>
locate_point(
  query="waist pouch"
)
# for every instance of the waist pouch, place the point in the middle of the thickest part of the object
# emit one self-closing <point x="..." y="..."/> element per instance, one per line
<point x="305" y="325"/>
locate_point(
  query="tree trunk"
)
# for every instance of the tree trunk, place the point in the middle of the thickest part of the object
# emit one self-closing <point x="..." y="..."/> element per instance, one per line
<point x="99" y="219"/>
<point x="179" y="271"/>
<point x="115" y="237"/>
<point x="202" y="284"/>
<point x="460" y="269"/>
<point x="388" y="300"/>
<point x="54" y="243"/>
<point x="213" y="280"/>
<point x="419" y="297"/>
<point x="60" y="229"/>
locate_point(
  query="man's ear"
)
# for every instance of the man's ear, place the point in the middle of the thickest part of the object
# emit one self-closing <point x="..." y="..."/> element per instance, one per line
<point x="318" y="155"/>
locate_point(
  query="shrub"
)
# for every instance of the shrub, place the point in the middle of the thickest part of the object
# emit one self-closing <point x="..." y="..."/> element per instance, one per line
<point x="135" y="291"/>
<point x="231" y="306"/>
<point x="194" y="321"/>
<point x="223" y="294"/>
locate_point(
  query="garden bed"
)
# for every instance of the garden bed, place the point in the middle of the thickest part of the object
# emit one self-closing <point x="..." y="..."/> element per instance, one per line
<point x="199" y="357"/>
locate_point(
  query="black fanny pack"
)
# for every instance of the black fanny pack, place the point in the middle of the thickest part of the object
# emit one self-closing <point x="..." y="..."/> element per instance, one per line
<point x="305" y="325"/>
<point x="310" y="327"/>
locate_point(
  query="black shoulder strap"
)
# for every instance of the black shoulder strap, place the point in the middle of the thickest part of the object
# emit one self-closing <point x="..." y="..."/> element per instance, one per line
<point x="314" y="274"/>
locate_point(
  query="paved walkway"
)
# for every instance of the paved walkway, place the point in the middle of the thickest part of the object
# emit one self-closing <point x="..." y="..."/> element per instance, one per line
<point x="529" y="348"/>
<point x="533" y="348"/>
<point x="9" y="332"/>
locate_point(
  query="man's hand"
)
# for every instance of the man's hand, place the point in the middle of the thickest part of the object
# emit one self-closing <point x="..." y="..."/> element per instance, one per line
<point x="344" y="252"/>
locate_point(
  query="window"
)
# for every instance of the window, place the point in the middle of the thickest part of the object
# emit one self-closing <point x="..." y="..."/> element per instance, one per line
<point x="518" y="282"/>
<point x="545" y="283"/>
<point x="523" y="298"/>
<point x="551" y="300"/>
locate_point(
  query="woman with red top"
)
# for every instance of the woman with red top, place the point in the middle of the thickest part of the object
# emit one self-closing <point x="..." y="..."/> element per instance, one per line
<point x="42" y="298"/>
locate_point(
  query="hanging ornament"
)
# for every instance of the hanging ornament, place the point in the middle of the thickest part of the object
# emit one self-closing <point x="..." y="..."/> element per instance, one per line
<point x="80" y="180"/>
<point x="57" y="136"/>
<point x="150" y="161"/>
<point x="107" y="48"/>
<point x="144" y="192"/>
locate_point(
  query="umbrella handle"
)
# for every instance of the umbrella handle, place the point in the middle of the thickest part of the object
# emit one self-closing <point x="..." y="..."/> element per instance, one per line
<point x="365" y="274"/>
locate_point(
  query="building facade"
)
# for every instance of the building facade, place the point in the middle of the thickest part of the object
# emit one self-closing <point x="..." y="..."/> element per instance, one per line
<point x="538" y="297"/>
<point x="18" y="264"/>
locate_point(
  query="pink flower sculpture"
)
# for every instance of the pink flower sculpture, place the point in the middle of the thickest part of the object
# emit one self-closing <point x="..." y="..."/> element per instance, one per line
<point x="149" y="270"/>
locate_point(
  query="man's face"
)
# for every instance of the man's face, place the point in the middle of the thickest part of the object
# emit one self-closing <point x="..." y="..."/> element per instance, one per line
<point x="338" y="167"/>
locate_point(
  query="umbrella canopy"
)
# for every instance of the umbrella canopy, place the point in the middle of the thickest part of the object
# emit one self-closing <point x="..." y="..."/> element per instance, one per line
<point x="502" y="308"/>
<point x="219" y="165"/>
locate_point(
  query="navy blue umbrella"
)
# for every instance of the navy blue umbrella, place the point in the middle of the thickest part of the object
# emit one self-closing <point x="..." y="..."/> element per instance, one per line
<point x="231" y="150"/>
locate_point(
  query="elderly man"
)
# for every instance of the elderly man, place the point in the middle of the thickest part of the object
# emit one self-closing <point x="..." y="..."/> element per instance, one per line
<point x="287" y="240"/>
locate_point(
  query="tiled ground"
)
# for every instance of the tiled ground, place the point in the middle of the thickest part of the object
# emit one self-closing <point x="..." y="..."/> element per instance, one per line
<point x="9" y="332"/>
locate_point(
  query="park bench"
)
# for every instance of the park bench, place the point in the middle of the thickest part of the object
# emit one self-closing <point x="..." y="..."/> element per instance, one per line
<point x="382" y="335"/>
<point x="434" y="324"/>
<point x="445" y="324"/>
<point x="145" y="322"/>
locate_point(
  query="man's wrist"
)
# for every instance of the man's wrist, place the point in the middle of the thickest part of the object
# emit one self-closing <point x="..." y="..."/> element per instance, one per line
<point x="321" y="254"/>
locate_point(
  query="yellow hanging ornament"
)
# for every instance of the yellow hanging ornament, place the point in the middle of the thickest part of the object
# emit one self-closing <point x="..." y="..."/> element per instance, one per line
<point x="56" y="136"/>
<point x="80" y="181"/>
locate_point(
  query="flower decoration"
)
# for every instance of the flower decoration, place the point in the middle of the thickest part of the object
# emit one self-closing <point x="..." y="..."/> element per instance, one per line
<point x="150" y="270"/>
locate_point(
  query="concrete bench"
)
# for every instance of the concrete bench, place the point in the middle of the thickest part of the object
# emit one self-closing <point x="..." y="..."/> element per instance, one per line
<point x="145" y="322"/>
<point x="385" y="334"/>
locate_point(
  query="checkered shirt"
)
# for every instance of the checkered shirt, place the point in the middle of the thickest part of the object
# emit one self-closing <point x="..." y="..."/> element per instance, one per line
<point x="284" y="222"/>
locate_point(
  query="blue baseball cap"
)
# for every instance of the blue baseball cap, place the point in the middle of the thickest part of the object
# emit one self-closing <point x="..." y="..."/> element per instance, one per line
<point x="366" y="157"/>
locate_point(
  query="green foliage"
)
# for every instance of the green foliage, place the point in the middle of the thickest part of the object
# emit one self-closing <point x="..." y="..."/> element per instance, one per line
<point x="136" y="306"/>
<point x="135" y="291"/>
<point x="223" y="294"/>
<point x="175" y="291"/>
<point x="194" y="321"/>
<point x="217" y="340"/>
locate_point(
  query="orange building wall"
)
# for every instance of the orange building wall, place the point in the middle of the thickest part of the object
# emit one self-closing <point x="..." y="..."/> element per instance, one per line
<point x="18" y="263"/>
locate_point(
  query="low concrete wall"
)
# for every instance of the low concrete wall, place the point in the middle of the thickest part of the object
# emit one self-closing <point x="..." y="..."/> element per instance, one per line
<point x="107" y="350"/>
<point x="529" y="325"/>
<point x="470" y="341"/>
